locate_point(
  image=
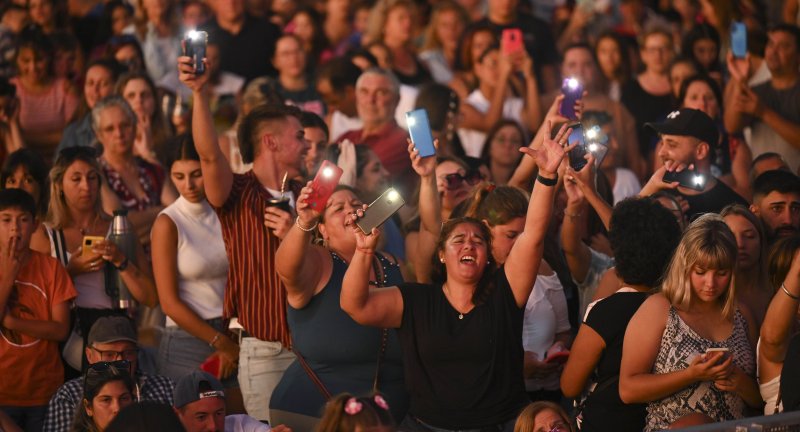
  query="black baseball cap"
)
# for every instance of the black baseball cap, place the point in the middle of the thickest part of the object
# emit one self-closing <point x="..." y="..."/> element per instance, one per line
<point x="688" y="122"/>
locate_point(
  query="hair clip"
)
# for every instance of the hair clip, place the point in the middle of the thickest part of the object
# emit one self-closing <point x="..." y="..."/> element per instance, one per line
<point x="353" y="406"/>
<point x="381" y="402"/>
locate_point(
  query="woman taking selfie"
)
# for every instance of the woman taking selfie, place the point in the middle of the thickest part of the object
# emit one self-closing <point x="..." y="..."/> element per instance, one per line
<point x="456" y="382"/>
<point x="690" y="349"/>
<point x="191" y="269"/>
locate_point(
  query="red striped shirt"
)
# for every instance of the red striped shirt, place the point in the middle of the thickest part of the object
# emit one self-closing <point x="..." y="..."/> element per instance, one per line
<point x="254" y="293"/>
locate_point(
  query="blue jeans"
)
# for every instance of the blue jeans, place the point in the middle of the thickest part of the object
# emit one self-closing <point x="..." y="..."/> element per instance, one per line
<point x="261" y="367"/>
<point x="180" y="353"/>
<point x="30" y="419"/>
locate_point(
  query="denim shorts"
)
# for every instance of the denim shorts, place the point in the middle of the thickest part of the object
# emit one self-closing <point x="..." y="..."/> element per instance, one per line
<point x="180" y="353"/>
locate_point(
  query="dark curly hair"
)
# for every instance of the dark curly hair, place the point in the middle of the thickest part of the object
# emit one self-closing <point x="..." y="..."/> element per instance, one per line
<point x="486" y="283"/>
<point x="643" y="236"/>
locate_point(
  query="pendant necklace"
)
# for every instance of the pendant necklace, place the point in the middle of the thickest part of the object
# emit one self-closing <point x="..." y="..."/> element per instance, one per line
<point x="447" y="291"/>
<point x="85" y="230"/>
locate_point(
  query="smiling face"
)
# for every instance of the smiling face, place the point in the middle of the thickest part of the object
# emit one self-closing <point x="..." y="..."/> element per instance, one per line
<point x="465" y="253"/>
<point x="111" y="398"/>
<point x="332" y="226"/>
<point x="678" y="149"/>
<point x="376" y="99"/>
<point x="188" y="179"/>
<point x="748" y="241"/>
<point x="32" y="65"/>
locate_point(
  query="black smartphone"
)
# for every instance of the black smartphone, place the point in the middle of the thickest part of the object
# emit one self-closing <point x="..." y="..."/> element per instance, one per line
<point x="194" y="46"/>
<point x="738" y="39"/>
<point x="381" y="209"/>
<point x="577" y="156"/>
<point x="687" y="178"/>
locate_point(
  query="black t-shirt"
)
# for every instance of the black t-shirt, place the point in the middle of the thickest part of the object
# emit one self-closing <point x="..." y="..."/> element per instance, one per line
<point x="712" y="201"/>
<point x="604" y="410"/>
<point x="536" y="34"/>
<point x="645" y="107"/>
<point x="249" y="52"/>
<point x="462" y="373"/>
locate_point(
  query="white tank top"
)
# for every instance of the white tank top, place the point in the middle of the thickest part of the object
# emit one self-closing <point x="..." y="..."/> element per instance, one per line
<point x="472" y="140"/>
<point x="202" y="261"/>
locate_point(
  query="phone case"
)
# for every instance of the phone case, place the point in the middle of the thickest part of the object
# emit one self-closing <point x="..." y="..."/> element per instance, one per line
<point x="511" y="41"/>
<point x="573" y="91"/>
<point x="686" y="178"/>
<point x="420" y="130"/>
<point x="88" y="243"/>
<point x="323" y="184"/>
<point x="211" y="365"/>
<point x="738" y="39"/>
<point x="380" y="210"/>
<point x="194" y="46"/>
<point x="577" y="155"/>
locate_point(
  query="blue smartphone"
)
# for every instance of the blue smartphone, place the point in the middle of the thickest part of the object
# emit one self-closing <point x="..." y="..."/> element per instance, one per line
<point x="420" y="130"/>
<point x="573" y="91"/>
<point x="738" y="39"/>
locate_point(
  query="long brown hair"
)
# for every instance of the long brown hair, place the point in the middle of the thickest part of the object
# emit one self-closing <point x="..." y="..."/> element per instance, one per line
<point x="497" y="205"/>
<point x="439" y="273"/>
<point x="58" y="211"/>
<point x="762" y="279"/>
<point x="780" y="259"/>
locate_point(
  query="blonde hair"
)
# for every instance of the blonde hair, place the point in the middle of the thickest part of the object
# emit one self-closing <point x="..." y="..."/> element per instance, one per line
<point x="430" y="38"/>
<point x="58" y="211"/>
<point x="709" y="244"/>
<point x="526" y="419"/>
<point x="376" y="23"/>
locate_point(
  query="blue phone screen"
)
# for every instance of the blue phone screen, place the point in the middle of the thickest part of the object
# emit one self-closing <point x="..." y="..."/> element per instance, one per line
<point x="420" y="130"/>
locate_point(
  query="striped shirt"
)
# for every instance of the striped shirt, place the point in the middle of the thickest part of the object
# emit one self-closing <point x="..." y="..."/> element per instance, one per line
<point x="254" y="294"/>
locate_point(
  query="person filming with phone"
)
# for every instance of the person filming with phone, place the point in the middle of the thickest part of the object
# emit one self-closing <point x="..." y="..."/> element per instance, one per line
<point x="461" y="336"/>
<point x="688" y="137"/>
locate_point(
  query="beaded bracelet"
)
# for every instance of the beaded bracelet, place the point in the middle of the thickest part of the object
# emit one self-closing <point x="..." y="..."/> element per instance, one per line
<point x="297" y="222"/>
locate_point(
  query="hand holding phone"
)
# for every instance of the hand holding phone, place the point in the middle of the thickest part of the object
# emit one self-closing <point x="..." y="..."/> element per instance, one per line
<point x="687" y="178"/>
<point x="381" y="209"/>
<point x="323" y="185"/>
<point x="739" y="39"/>
<point x="194" y="46"/>
<point x="577" y="156"/>
<point x="88" y="243"/>
<point x="420" y="130"/>
<point x="723" y="350"/>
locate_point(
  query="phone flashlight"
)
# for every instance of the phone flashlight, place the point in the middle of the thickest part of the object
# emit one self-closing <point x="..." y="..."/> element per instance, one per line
<point x="393" y="195"/>
<point x="572" y="83"/>
<point x="327" y="172"/>
<point x="699" y="180"/>
<point x="411" y="121"/>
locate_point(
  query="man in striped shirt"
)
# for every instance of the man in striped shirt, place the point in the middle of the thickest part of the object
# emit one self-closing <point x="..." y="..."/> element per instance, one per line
<point x="272" y="139"/>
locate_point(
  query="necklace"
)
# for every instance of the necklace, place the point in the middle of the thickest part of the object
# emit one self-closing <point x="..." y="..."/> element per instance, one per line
<point x="85" y="230"/>
<point x="447" y="292"/>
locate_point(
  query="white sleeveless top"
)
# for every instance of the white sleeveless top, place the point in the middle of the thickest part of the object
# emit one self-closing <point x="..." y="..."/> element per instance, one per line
<point x="202" y="261"/>
<point x="472" y="140"/>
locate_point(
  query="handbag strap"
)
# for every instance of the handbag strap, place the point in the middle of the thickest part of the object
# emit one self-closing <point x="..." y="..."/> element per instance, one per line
<point x="313" y="375"/>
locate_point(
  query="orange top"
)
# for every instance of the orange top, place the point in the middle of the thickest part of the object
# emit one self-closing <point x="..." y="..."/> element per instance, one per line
<point x="31" y="368"/>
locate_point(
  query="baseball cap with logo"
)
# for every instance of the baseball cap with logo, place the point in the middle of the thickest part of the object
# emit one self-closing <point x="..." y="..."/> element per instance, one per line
<point x="688" y="122"/>
<point x="196" y="386"/>
<point x="112" y="329"/>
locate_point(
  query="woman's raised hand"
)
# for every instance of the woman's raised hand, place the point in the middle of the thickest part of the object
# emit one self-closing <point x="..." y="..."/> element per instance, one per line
<point x="364" y="243"/>
<point x="187" y="75"/>
<point x="306" y="215"/>
<point x="548" y="157"/>
<point x="423" y="166"/>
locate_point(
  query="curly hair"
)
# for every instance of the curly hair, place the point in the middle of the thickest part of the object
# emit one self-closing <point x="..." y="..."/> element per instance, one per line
<point x="643" y="236"/>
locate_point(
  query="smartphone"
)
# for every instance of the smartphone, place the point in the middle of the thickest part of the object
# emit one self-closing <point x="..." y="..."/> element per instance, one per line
<point x="573" y="91"/>
<point x="194" y="46"/>
<point x="559" y="357"/>
<point x="511" y="41"/>
<point x="323" y="184"/>
<point x="380" y="210"/>
<point x="687" y="178"/>
<point x="738" y="39"/>
<point x="577" y="156"/>
<point x="89" y="242"/>
<point x="211" y="365"/>
<point x="420" y="130"/>
<point x="722" y="350"/>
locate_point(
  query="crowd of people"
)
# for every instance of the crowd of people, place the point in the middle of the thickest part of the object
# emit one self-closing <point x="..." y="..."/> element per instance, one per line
<point x="606" y="238"/>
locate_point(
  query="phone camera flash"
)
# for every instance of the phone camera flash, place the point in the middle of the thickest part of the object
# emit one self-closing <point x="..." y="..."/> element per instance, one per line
<point x="192" y="34"/>
<point x="593" y="147"/>
<point x="411" y="121"/>
<point x="393" y="195"/>
<point x="572" y="83"/>
<point x="327" y="172"/>
<point x="698" y="180"/>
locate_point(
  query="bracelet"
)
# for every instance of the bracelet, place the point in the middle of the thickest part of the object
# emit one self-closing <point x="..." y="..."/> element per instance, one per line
<point x="366" y="251"/>
<point x="791" y="296"/>
<point x="123" y="265"/>
<point x="573" y="215"/>
<point x="313" y="227"/>
<point x="213" y="341"/>
<point x="547" y="181"/>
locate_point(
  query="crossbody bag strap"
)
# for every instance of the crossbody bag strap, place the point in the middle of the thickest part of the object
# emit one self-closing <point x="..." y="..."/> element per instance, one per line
<point x="313" y="375"/>
<point x="380" y="278"/>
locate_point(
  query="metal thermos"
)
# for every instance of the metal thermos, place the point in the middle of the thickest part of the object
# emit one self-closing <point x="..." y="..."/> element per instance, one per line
<point x="120" y="233"/>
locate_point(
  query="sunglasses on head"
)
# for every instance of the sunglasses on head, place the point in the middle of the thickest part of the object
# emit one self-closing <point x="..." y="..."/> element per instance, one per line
<point x="106" y="368"/>
<point x="454" y="181"/>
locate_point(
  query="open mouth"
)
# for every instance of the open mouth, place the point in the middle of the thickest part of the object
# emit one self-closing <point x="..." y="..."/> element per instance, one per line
<point x="468" y="259"/>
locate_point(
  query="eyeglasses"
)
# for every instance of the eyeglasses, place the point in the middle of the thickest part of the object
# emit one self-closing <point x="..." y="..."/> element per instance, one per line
<point x="454" y="181"/>
<point x="559" y="427"/>
<point x="112" y="356"/>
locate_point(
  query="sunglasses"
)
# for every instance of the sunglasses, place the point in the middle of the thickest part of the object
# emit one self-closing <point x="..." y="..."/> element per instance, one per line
<point x="455" y="180"/>
<point x="105" y="368"/>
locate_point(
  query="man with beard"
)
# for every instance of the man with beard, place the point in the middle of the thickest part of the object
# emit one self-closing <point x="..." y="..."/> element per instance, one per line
<point x="776" y="200"/>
